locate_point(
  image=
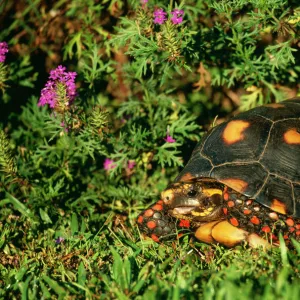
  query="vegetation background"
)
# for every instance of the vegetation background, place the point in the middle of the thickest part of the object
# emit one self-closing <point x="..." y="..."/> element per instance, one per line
<point x="73" y="181"/>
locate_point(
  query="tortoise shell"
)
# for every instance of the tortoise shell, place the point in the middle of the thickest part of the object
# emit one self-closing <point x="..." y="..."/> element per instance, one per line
<point x="256" y="153"/>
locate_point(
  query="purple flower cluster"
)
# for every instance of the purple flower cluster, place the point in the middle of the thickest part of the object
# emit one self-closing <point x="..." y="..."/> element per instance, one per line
<point x="59" y="240"/>
<point x="160" y="16"/>
<point x="108" y="164"/>
<point x="169" y="139"/>
<point x="3" y="51"/>
<point x="49" y="92"/>
<point x="177" y="16"/>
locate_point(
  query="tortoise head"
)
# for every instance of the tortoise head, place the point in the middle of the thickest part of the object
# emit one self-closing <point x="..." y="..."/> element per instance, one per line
<point x="199" y="200"/>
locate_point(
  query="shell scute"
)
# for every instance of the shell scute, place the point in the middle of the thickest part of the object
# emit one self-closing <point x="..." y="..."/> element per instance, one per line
<point x="256" y="153"/>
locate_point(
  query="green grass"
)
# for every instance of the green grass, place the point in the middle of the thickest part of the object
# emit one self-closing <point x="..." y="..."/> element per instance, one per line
<point x="137" y="83"/>
<point x="115" y="263"/>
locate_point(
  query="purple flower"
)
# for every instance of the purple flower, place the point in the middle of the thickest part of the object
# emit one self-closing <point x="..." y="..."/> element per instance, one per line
<point x="49" y="94"/>
<point x="144" y="1"/>
<point x="131" y="164"/>
<point x="177" y="16"/>
<point x="169" y="139"/>
<point x="159" y="16"/>
<point x="59" y="240"/>
<point x="3" y="51"/>
<point x="108" y="164"/>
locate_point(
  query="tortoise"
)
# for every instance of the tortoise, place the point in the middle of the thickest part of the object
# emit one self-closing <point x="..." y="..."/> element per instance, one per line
<point x="241" y="184"/>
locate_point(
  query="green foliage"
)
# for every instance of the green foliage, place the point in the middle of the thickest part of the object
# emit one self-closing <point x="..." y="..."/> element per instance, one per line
<point x="74" y="179"/>
<point x="7" y="163"/>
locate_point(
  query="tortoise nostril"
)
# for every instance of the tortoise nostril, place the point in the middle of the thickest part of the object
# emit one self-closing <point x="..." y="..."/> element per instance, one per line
<point x="206" y="202"/>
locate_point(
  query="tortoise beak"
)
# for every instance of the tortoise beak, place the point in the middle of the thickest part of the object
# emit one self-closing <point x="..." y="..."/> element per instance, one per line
<point x="183" y="210"/>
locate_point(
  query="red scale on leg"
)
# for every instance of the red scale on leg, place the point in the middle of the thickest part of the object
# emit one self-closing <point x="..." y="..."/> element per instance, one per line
<point x="157" y="207"/>
<point x="290" y="222"/>
<point x="253" y="217"/>
<point x="266" y="229"/>
<point x="234" y="222"/>
<point x="230" y="203"/>
<point x="151" y="224"/>
<point x="255" y="220"/>
<point x="148" y="213"/>
<point x="292" y="229"/>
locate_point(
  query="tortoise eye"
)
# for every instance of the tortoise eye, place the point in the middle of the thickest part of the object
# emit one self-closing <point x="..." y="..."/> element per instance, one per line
<point x="192" y="193"/>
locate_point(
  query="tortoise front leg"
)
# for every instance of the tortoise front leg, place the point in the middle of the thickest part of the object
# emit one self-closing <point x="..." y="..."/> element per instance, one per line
<point x="226" y="234"/>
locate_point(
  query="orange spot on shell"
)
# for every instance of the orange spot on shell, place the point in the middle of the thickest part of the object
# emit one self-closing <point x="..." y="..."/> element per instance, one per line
<point x="225" y="211"/>
<point x="234" y="222"/>
<point x="151" y="224"/>
<point x="234" y="131"/>
<point x="155" y="238"/>
<point x="238" y="185"/>
<point x="275" y="105"/>
<point x="140" y="219"/>
<point x="187" y="177"/>
<point x="278" y="206"/>
<point x="290" y="222"/>
<point x="255" y="220"/>
<point x="266" y="229"/>
<point x="247" y="211"/>
<point x="230" y="204"/>
<point x="157" y="207"/>
<point x="273" y="216"/>
<point x="148" y="213"/>
<point x="292" y="136"/>
<point x="226" y="196"/>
